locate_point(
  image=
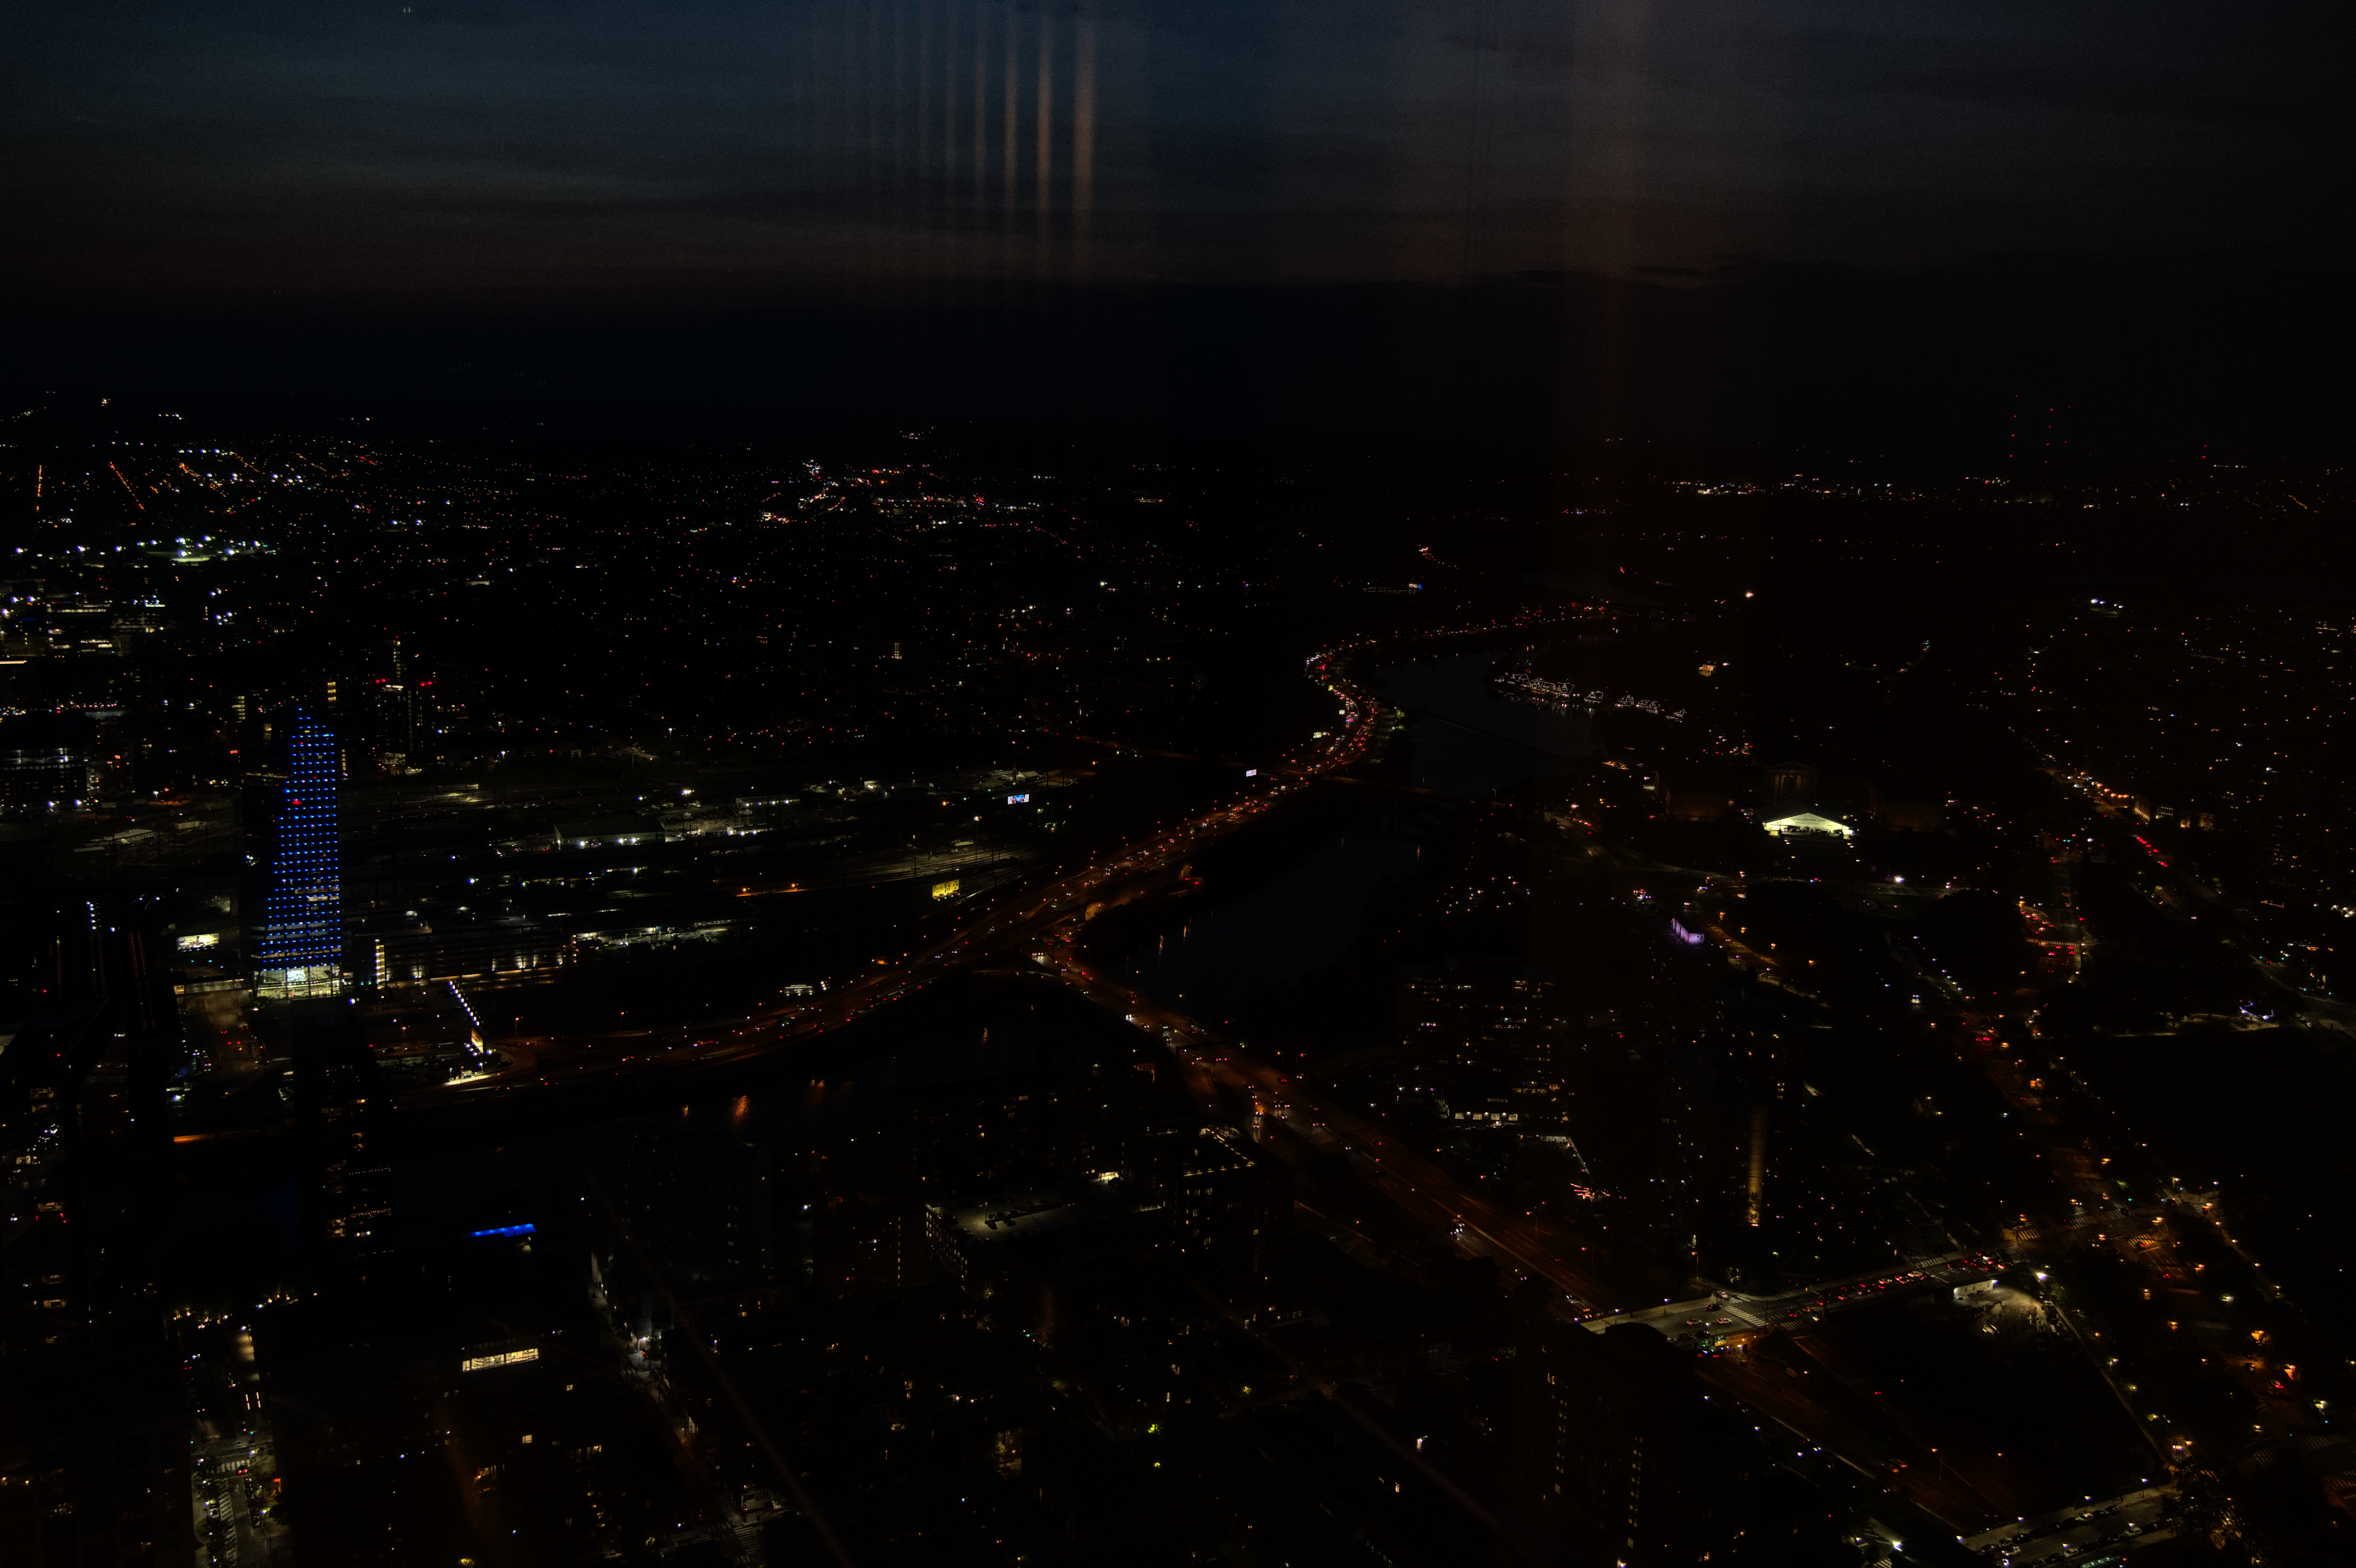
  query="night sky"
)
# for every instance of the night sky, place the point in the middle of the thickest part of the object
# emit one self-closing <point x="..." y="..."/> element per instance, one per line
<point x="1619" y="210"/>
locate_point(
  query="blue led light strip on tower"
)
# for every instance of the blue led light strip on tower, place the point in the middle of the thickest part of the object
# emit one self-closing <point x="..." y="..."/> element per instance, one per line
<point x="302" y="914"/>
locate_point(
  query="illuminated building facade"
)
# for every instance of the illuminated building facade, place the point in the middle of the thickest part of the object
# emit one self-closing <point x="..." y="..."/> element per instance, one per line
<point x="48" y="762"/>
<point x="1620" y="1451"/>
<point x="301" y="950"/>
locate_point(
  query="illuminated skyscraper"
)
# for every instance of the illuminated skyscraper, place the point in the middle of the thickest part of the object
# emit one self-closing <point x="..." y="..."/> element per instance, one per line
<point x="302" y="948"/>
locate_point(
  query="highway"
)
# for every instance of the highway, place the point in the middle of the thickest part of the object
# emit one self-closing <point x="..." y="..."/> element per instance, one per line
<point x="1785" y="1373"/>
<point x="1014" y="918"/>
<point x="1788" y="1371"/>
<point x="1229" y="1078"/>
<point x="1040" y="921"/>
<point x="2139" y="1519"/>
<point x="1732" y="1314"/>
<point x="1804" y="1383"/>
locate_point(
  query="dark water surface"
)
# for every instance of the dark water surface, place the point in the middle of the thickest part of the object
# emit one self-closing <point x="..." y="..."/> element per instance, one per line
<point x="460" y="1186"/>
<point x="1465" y="744"/>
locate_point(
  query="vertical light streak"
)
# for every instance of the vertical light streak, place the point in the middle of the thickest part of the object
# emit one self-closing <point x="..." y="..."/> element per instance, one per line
<point x="1756" y="1187"/>
<point x="920" y="147"/>
<point x="872" y="132"/>
<point x="1609" y="159"/>
<point x="852" y="162"/>
<point x="923" y="83"/>
<point x="1043" y="119"/>
<point x="1084" y="136"/>
<point x="952" y="35"/>
<point x="892" y="92"/>
<point x="980" y="103"/>
<point x="1012" y="159"/>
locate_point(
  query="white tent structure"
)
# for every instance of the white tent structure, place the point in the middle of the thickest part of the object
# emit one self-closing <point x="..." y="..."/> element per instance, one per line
<point x="1808" y="823"/>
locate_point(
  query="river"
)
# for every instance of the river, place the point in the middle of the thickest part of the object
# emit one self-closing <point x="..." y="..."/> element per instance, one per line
<point x="1464" y="744"/>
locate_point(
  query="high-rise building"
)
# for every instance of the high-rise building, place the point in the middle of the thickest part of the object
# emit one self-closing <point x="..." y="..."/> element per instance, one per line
<point x="866" y="1244"/>
<point x="1001" y="1133"/>
<point x="345" y="1192"/>
<point x="1491" y="1014"/>
<point x="47" y="762"/>
<point x="1224" y="1204"/>
<point x="301" y="951"/>
<point x="700" y="1204"/>
<point x="399" y="738"/>
<point x="1617" y="1447"/>
<point x="1486" y="1036"/>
